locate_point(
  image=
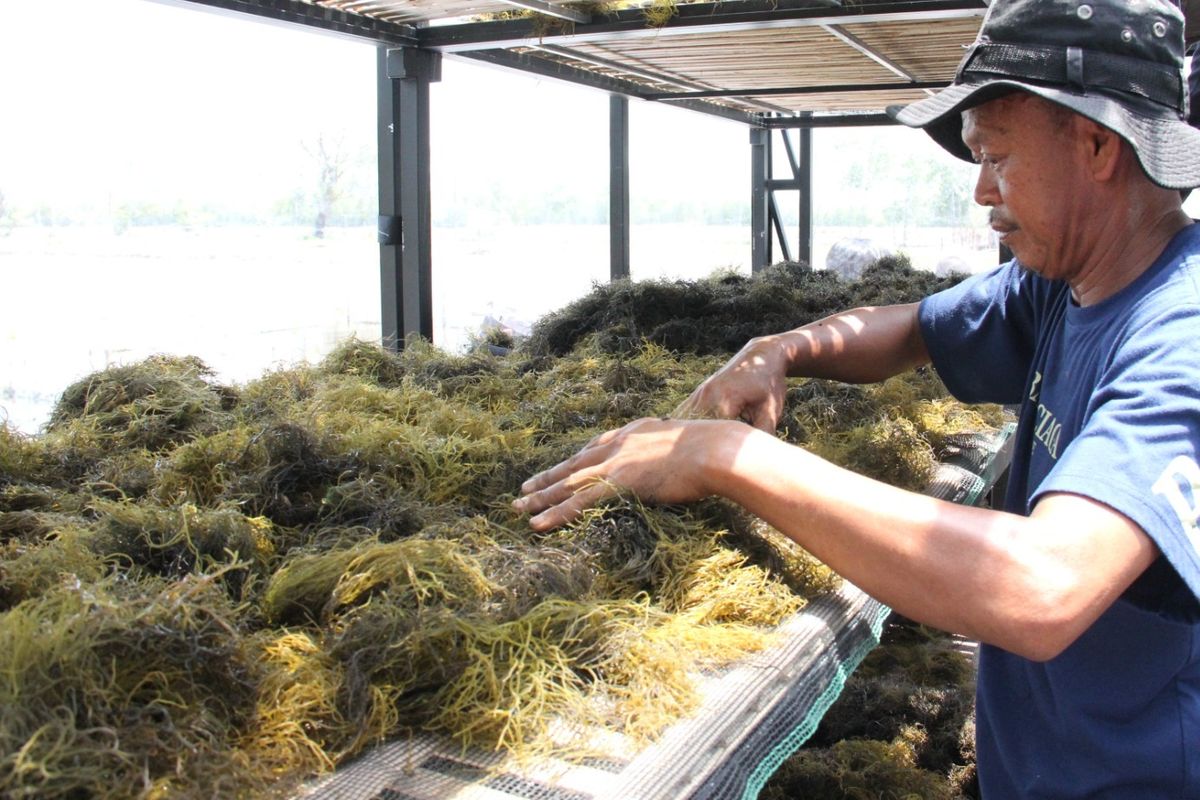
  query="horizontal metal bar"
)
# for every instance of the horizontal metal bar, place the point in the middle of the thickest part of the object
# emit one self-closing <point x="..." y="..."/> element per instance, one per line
<point x="616" y="66"/>
<point x="769" y="91"/>
<point x="551" y="10"/>
<point x="784" y="185"/>
<point x="556" y="69"/>
<point x="648" y="74"/>
<point x="826" y="121"/>
<point x="525" y="62"/>
<point x="694" y="18"/>
<point x="866" y="50"/>
<point x="294" y="12"/>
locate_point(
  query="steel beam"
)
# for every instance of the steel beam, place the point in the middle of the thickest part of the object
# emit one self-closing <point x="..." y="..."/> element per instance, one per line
<point x="862" y="47"/>
<point x="777" y="225"/>
<point x="294" y="12"/>
<point x="770" y="91"/>
<point x="406" y="230"/>
<point x="655" y="76"/>
<point x="760" y="218"/>
<point x="556" y="69"/>
<point x="802" y="165"/>
<point x="764" y="182"/>
<point x="799" y="164"/>
<point x="618" y="186"/>
<point x="826" y="121"/>
<point x="696" y="18"/>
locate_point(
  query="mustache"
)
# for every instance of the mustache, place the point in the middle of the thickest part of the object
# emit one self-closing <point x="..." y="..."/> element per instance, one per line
<point x="998" y="220"/>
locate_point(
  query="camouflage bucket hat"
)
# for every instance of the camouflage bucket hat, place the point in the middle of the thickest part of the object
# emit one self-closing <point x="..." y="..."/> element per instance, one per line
<point x="1117" y="62"/>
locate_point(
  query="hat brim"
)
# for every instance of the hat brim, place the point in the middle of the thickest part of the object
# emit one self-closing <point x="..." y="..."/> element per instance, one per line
<point x="1167" y="147"/>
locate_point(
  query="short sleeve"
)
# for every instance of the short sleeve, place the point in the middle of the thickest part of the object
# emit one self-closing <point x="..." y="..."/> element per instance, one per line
<point x="980" y="334"/>
<point x="1137" y="449"/>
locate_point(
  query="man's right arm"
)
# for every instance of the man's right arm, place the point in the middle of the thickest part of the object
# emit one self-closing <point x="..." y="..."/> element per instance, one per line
<point x="863" y="345"/>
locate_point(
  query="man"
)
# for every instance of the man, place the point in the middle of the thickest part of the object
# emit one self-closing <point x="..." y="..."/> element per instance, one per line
<point x="1084" y="589"/>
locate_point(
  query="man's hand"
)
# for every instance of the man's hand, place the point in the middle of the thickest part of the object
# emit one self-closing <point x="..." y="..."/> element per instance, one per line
<point x="751" y="387"/>
<point x="662" y="461"/>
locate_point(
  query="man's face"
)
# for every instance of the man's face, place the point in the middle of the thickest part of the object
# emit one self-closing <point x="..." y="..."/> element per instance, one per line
<point x="1029" y="177"/>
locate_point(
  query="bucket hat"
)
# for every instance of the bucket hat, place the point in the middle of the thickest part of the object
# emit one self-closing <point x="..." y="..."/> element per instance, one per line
<point x="1117" y="62"/>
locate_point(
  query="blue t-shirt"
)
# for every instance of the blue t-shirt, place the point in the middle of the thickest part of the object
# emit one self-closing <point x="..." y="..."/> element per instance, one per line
<point x="1110" y="409"/>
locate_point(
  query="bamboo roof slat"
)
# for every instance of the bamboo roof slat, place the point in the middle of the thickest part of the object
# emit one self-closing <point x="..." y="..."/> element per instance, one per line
<point x="789" y="44"/>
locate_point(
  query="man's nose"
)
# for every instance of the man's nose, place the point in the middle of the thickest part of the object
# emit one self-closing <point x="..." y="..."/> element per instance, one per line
<point x="986" y="188"/>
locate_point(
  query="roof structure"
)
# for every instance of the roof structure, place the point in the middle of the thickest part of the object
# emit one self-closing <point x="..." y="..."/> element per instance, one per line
<point x="765" y="62"/>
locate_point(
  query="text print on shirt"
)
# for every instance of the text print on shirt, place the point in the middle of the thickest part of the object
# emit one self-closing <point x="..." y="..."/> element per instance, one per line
<point x="1048" y="430"/>
<point x="1181" y="473"/>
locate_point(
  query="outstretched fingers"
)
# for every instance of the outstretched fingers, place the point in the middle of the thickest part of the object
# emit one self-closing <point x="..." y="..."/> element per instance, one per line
<point x="564" y="504"/>
<point x="590" y="455"/>
<point x="558" y="495"/>
<point x="634" y="459"/>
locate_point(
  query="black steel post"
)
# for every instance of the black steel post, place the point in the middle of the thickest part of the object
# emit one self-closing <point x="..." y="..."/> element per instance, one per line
<point x="804" y="175"/>
<point x="760" y="221"/>
<point x="785" y="249"/>
<point x="801" y="167"/>
<point x="405" y="229"/>
<point x="618" y="186"/>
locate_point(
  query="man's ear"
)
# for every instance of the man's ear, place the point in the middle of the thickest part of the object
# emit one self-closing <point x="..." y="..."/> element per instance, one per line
<point x="1104" y="148"/>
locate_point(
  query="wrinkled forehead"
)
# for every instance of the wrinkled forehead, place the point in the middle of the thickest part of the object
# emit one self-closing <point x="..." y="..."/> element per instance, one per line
<point x="1011" y="113"/>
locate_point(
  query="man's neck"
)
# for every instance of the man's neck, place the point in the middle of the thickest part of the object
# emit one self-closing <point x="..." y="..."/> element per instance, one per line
<point x="1123" y="252"/>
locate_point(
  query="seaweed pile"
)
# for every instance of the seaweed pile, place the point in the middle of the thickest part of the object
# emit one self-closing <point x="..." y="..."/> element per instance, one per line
<point x="211" y="590"/>
<point x="721" y="313"/>
<point x="903" y="727"/>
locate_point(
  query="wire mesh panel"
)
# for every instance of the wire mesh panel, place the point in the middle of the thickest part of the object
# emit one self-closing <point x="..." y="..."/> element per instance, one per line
<point x="752" y="716"/>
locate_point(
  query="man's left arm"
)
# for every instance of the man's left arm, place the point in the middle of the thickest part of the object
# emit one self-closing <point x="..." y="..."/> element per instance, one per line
<point x="1030" y="585"/>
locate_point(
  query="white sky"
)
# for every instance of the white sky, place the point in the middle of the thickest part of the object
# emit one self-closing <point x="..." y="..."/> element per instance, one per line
<point x="135" y="101"/>
<point x="155" y="100"/>
<point x="159" y="100"/>
<point x="111" y="87"/>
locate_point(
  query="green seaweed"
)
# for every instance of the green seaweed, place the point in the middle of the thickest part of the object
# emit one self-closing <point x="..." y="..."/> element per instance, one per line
<point x="222" y="591"/>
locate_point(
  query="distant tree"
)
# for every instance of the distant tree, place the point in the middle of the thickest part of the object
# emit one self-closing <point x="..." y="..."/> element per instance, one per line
<point x="954" y="186"/>
<point x="6" y="216"/>
<point x="330" y="156"/>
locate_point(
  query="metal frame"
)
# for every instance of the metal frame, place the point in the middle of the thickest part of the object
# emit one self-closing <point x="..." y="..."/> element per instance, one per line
<point x="693" y="89"/>
<point x="487" y="41"/>
<point x="801" y="164"/>
<point x="766" y="220"/>
<point x="548" y="68"/>
<point x="760" y="219"/>
<point x="692" y="18"/>
<point x="862" y="47"/>
<point x="409" y="60"/>
<point x="406" y="230"/>
<point x="329" y="20"/>
<point x="618" y="186"/>
<point x="848" y="120"/>
<point x="769" y="91"/>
